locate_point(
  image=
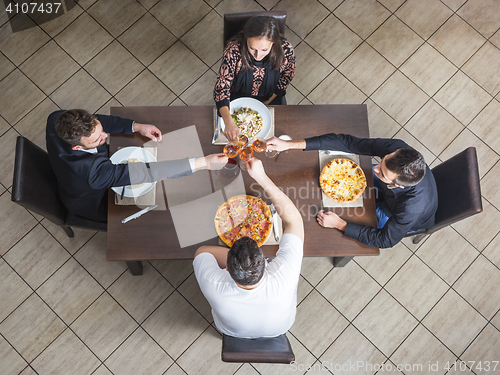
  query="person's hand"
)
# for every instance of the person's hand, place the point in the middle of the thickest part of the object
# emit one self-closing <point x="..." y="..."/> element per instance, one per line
<point x="331" y="220"/>
<point x="148" y="130"/>
<point x="231" y="131"/>
<point x="216" y="162"/>
<point x="277" y="144"/>
<point x="255" y="169"/>
<point x="268" y="101"/>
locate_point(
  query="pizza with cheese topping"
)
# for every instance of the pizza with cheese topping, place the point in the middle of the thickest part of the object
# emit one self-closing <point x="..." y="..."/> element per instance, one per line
<point x="243" y="216"/>
<point x="342" y="180"/>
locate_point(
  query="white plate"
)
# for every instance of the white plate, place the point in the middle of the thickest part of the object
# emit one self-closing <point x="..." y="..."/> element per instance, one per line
<point x="256" y="106"/>
<point x="122" y="156"/>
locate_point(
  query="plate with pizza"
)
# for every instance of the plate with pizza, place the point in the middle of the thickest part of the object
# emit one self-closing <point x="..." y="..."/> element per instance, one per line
<point x="243" y="215"/>
<point x="342" y="180"/>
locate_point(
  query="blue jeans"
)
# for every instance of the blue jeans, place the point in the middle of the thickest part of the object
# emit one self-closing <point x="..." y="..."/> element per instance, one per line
<point x="382" y="210"/>
<point x="381" y="207"/>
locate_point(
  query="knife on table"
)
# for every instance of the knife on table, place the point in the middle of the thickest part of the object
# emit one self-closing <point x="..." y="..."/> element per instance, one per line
<point x="137" y="214"/>
<point x="275" y="222"/>
<point x="217" y="128"/>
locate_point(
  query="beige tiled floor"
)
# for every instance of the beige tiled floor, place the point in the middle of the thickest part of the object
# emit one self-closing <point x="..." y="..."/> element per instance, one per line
<point x="429" y="73"/>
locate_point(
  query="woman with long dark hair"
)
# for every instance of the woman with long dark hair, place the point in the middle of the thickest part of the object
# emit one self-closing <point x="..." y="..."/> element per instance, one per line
<point x="257" y="63"/>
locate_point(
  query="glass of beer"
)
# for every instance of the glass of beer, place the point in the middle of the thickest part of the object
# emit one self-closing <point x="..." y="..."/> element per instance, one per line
<point x="259" y="145"/>
<point x="231" y="150"/>
<point x="242" y="140"/>
<point x="246" y="154"/>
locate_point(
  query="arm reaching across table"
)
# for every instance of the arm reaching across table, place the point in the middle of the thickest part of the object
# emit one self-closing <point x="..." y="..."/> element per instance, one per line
<point x="148" y="130"/>
<point x="284" y="207"/>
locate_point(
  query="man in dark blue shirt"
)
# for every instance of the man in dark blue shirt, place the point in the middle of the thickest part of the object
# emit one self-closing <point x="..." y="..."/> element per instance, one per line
<point x="78" y="154"/>
<point x="409" y="196"/>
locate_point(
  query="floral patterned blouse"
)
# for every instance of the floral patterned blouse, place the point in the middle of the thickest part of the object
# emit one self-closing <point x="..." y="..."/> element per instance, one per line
<point x="231" y="66"/>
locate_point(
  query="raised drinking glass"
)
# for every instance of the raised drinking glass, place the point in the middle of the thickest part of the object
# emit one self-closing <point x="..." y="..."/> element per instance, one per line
<point x="259" y="145"/>
<point x="246" y="154"/>
<point x="242" y="140"/>
<point x="231" y="150"/>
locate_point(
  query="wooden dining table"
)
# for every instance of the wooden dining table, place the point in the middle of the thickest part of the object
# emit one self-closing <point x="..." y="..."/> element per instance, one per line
<point x="153" y="236"/>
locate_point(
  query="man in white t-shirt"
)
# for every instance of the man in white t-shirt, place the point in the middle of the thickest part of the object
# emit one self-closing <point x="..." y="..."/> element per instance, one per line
<point x="249" y="297"/>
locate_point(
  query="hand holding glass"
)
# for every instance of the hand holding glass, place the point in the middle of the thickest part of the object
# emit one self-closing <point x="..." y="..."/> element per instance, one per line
<point x="231" y="150"/>
<point x="259" y="145"/>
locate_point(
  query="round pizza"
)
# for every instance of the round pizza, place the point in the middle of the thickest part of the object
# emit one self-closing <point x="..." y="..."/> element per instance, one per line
<point x="243" y="216"/>
<point x="342" y="180"/>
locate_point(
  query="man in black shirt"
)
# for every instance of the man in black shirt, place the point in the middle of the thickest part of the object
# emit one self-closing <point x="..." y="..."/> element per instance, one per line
<point x="409" y="196"/>
<point x="78" y="154"/>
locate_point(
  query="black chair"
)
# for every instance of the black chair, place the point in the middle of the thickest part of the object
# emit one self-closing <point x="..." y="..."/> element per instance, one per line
<point x="459" y="192"/>
<point x="35" y="188"/>
<point x="233" y="22"/>
<point x="261" y="350"/>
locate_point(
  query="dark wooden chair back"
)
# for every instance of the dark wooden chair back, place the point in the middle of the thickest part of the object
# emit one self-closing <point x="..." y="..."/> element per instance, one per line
<point x="35" y="188"/>
<point x="260" y="350"/>
<point x="233" y="22"/>
<point x="459" y="191"/>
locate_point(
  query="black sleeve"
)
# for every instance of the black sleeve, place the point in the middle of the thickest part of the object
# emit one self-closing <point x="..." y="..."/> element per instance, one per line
<point x="115" y="124"/>
<point x="360" y="146"/>
<point x="393" y="231"/>
<point x="104" y="174"/>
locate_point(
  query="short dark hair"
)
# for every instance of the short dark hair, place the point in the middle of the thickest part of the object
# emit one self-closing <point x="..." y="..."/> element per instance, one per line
<point x="74" y="124"/>
<point x="246" y="262"/>
<point x="408" y="164"/>
<point x="259" y="27"/>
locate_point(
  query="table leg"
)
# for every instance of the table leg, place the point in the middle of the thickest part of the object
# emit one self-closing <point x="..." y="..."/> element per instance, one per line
<point x="341" y="261"/>
<point x="135" y="267"/>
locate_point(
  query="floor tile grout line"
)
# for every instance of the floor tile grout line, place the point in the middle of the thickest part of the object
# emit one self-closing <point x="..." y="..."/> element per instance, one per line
<point x="489" y="243"/>
<point x="174" y="289"/>
<point x="68" y="327"/>
<point x="461" y="235"/>
<point x="303" y="344"/>
<point x="451" y="287"/>
<point x="420" y="321"/>
<point x="465" y="299"/>
<point x="335" y="7"/>
<point x="36" y="105"/>
<point x="383" y="285"/>
<point x="437" y="274"/>
<point x="13" y="348"/>
<point x="192" y="343"/>
<point x="128" y="337"/>
<point x="463" y="19"/>
<point x="55" y="238"/>
<point x="88" y="307"/>
<point x="493" y="99"/>
<point x="487" y="200"/>
<point x="398" y="7"/>
<point x="32" y="292"/>
<point x="22" y="237"/>
<point x="172" y="365"/>
<point x="194" y="307"/>
<point x="52" y="38"/>
<point x="458" y="135"/>
<point x="32" y="109"/>
<point x="475" y="338"/>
